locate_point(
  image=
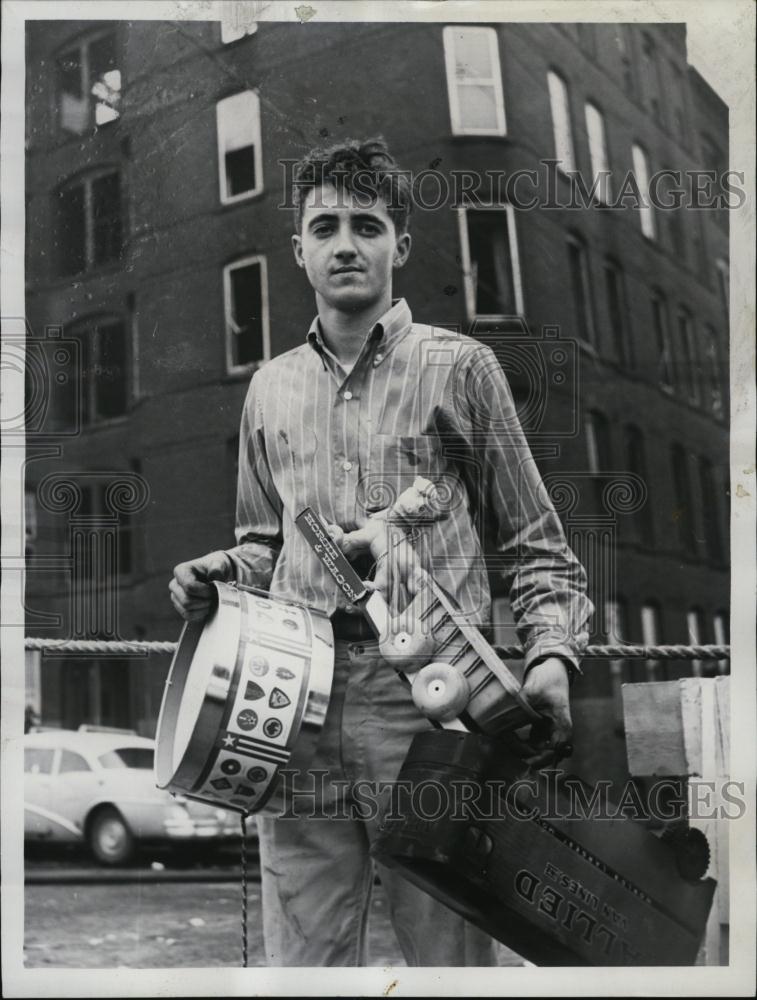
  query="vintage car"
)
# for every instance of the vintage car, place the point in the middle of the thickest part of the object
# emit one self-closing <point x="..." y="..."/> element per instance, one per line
<point x="98" y="787"/>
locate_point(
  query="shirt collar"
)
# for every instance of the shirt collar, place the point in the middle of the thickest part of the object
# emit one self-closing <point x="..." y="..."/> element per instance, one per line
<point x="386" y="331"/>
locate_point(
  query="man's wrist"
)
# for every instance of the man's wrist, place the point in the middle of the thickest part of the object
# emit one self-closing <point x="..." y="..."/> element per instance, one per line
<point x="571" y="666"/>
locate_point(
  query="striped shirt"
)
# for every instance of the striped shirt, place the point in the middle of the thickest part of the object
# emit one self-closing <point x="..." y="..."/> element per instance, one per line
<point x="419" y="401"/>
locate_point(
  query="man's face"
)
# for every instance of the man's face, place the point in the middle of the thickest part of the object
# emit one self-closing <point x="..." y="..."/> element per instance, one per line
<point x="348" y="248"/>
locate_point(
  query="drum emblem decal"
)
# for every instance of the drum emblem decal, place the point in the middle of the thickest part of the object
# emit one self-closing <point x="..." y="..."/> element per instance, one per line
<point x="284" y="674"/>
<point x="257" y="774"/>
<point x="245" y="790"/>
<point x="272" y="728"/>
<point x="247" y="719"/>
<point x="253" y="691"/>
<point x="259" y="666"/>
<point x="231" y="766"/>
<point x="221" y="783"/>
<point x="278" y="699"/>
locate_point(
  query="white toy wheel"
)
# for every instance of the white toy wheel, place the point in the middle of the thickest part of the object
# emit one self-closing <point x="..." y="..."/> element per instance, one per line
<point x="440" y="691"/>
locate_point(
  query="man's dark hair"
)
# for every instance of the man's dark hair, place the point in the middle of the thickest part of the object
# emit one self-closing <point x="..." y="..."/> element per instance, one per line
<point x="364" y="167"/>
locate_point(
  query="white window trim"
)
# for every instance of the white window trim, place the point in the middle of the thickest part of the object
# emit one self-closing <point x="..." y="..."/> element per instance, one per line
<point x="598" y="154"/>
<point x="565" y="165"/>
<point x="494" y="81"/>
<point x="465" y="257"/>
<point x="232" y="369"/>
<point x="641" y="173"/>
<point x="227" y="199"/>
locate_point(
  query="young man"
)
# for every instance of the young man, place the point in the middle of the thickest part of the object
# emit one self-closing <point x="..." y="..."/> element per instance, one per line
<point x="343" y="423"/>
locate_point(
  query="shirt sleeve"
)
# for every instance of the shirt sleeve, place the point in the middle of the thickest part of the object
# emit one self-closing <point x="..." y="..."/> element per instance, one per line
<point x="259" y="508"/>
<point x="546" y="582"/>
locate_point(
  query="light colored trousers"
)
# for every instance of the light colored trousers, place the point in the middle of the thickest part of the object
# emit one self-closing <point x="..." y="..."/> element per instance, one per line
<point x="316" y="873"/>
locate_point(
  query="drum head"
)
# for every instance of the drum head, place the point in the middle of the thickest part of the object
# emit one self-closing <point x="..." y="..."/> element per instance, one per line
<point x="245" y="699"/>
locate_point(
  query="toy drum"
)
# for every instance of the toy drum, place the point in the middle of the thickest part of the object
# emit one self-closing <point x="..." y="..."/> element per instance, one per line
<point x="246" y="697"/>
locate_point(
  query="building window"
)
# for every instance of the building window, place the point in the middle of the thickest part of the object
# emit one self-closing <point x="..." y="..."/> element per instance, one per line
<point x="711" y="512"/>
<point x="689" y="362"/>
<point x="89" y="83"/>
<point x="637" y="464"/>
<point x="682" y="514"/>
<point x="581" y="288"/>
<point x="651" y="72"/>
<point x="245" y="285"/>
<point x="94" y="505"/>
<point x="104" y="368"/>
<point x="599" y="458"/>
<point x="30" y="519"/>
<point x="695" y="626"/>
<point x="662" y="340"/>
<point x="90" y="223"/>
<point x="650" y="633"/>
<point x="616" y="310"/>
<point x="474" y="81"/>
<point x="234" y="28"/>
<point x="600" y="162"/>
<point x="240" y="160"/>
<point x="491" y="266"/>
<point x="559" y="102"/>
<point x="623" y="43"/>
<point x="679" y="106"/>
<point x="723" y="281"/>
<point x="641" y="173"/>
<point x="712" y="351"/>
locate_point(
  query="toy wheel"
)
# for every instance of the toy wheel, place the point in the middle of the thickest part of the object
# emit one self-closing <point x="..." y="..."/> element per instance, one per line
<point x="110" y="839"/>
<point x="440" y="691"/>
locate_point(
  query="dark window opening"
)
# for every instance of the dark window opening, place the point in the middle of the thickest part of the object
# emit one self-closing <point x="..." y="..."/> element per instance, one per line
<point x="579" y="278"/>
<point x="711" y="515"/>
<point x="104" y="360"/>
<point x="662" y="339"/>
<point x="683" y="513"/>
<point x="90" y="223"/>
<point x="240" y="170"/>
<point x="491" y="264"/>
<point x="247" y="342"/>
<point x="641" y="520"/>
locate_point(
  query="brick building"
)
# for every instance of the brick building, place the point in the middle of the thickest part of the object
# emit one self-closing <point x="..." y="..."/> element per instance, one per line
<point x="158" y="247"/>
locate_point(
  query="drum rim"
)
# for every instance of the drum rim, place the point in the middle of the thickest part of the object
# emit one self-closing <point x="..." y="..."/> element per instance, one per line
<point x="206" y="727"/>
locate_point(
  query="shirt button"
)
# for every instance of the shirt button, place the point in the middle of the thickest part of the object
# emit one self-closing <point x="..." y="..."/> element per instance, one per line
<point x="347" y="394"/>
<point x="346" y="466"/>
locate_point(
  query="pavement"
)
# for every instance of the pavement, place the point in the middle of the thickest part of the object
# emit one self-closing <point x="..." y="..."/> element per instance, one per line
<point x="79" y="916"/>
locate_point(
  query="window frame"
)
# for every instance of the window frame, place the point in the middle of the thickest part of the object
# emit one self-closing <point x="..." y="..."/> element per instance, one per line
<point x="81" y="46"/>
<point x="86" y="181"/>
<point x="564" y="96"/>
<point x="641" y="165"/>
<point x="466" y="266"/>
<point x="605" y="185"/>
<point x="224" y="196"/>
<point x="83" y="327"/>
<point x="687" y="345"/>
<point x="664" y="359"/>
<point x="573" y="238"/>
<point x="495" y="81"/>
<point x="260" y="259"/>
<point x="621" y="339"/>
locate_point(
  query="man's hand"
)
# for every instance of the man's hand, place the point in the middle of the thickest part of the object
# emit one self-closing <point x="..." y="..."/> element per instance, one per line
<point x="190" y="589"/>
<point x="546" y="689"/>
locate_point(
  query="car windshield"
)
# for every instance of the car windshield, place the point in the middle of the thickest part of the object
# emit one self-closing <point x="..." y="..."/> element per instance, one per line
<point x="141" y="757"/>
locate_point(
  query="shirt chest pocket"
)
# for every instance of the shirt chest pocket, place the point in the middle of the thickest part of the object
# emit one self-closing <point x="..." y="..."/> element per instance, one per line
<point x="394" y="463"/>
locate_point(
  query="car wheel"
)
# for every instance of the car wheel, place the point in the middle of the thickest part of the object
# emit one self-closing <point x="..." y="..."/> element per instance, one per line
<point x="110" y="839"/>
